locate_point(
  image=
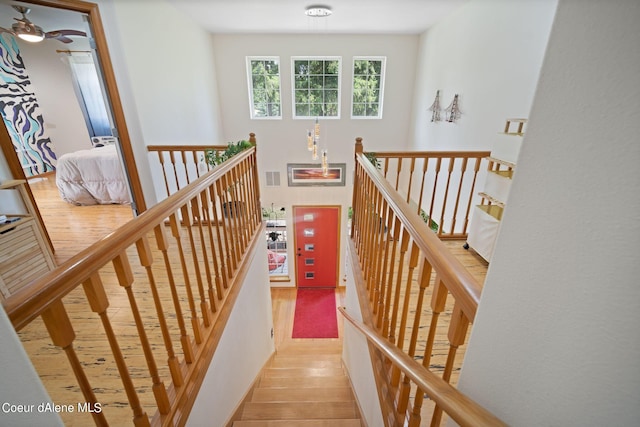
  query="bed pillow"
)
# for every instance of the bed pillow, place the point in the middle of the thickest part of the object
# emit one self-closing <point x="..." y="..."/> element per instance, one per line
<point x="101" y="141"/>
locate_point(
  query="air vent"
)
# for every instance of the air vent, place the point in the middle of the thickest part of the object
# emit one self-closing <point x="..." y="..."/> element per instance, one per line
<point x="273" y="179"/>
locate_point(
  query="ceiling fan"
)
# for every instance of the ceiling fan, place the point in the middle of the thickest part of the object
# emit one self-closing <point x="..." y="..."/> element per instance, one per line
<point x="30" y="32"/>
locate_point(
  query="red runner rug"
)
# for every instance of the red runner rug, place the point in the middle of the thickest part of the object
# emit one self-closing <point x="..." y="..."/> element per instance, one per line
<point x="315" y="315"/>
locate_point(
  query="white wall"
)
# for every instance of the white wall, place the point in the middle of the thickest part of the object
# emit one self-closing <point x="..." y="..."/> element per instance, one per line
<point x="244" y="348"/>
<point x="284" y="141"/>
<point x="489" y="52"/>
<point x="356" y="357"/>
<point x="53" y="86"/>
<point x="556" y="337"/>
<point x="172" y="73"/>
<point x="20" y="384"/>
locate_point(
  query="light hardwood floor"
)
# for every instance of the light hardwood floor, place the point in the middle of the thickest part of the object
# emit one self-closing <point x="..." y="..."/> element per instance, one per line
<point x="73" y="228"/>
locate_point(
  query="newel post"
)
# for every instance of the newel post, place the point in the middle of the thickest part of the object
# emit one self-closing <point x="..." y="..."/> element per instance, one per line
<point x="358" y="150"/>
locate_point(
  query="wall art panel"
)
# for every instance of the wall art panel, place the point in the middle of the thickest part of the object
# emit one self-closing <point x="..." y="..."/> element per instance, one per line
<point x="21" y="113"/>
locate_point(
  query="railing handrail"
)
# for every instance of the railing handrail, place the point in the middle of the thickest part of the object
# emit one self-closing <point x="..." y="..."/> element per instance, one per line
<point x="431" y="154"/>
<point x="456" y="404"/>
<point x="186" y="147"/>
<point x="464" y="287"/>
<point x="31" y="301"/>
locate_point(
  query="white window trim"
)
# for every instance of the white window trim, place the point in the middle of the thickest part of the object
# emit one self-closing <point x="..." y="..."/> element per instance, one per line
<point x="293" y="85"/>
<point x="250" y="85"/>
<point x="383" y="72"/>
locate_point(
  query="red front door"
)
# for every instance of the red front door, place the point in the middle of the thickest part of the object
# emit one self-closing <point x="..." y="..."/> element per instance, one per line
<point x="316" y="237"/>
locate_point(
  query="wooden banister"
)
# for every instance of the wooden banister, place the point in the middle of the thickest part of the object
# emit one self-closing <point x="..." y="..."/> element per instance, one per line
<point x="404" y="273"/>
<point x="463" y="286"/>
<point x="201" y="261"/>
<point x="458" y="406"/>
<point x="28" y="303"/>
<point x="438" y="185"/>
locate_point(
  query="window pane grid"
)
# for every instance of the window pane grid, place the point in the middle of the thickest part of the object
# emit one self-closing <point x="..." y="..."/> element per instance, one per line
<point x="367" y="87"/>
<point x="316" y="87"/>
<point x="264" y="87"/>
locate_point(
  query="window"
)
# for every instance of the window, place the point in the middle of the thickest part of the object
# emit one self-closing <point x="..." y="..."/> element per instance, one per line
<point x="368" y="87"/>
<point x="90" y="95"/>
<point x="264" y="87"/>
<point x="276" y="234"/>
<point x="316" y="83"/>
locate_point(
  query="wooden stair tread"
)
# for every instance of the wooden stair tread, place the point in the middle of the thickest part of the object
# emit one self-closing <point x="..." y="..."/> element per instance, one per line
<point x="308" y="394"/>
<point x="311" y="347"/>
<point x="298" y="410"/>
<point x="310" y="361"/>
<point x="302" y="373"/>
<point x="351" y="422"/>
<point x="337" y="381"/>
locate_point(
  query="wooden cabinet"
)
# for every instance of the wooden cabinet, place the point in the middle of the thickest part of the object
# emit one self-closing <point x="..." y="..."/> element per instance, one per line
<point x="485" y="221"/>
<point x="24" y="252"/>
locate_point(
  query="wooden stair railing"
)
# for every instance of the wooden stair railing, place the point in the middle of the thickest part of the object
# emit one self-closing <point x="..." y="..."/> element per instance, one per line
<point x="458" y="406"/>
<point x="439" y="185"/>
<point x="171" y="275"/>
<point x="407" y="281"/>
<point x="183" y="164"/>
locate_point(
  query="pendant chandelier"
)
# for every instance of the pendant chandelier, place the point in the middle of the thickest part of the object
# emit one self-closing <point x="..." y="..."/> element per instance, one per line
<point x="313" y="140"/>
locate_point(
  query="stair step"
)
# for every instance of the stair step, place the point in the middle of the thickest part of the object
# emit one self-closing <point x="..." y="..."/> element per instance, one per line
<point x="293" y="382"/>
<point x="302" y="423"/>
<point x="310" y="347"/>
<point x="302" y="372"/>
<point x="309" y="361"/>
<point x="298" y="410"/>
<point x="324" y="394"/>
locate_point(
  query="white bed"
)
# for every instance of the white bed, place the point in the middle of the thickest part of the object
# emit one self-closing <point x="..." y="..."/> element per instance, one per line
<point x="92" y="177"/>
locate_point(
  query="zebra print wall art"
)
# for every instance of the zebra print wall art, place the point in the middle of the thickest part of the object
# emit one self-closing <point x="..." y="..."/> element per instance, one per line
<point x="21" y="113"/>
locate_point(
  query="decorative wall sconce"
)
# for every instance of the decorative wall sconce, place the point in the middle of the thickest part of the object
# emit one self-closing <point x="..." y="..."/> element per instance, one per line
<point x="453" y="111"/>
<point x="435" y="108"/>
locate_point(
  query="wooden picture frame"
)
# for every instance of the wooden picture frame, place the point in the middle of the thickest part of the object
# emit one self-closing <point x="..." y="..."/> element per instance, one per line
<point x="310" y="175"/>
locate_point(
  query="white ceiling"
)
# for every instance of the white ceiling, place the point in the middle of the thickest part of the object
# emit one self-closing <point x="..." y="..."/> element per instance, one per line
<point x="287" y="16"/>
<point x="274" y="16"/>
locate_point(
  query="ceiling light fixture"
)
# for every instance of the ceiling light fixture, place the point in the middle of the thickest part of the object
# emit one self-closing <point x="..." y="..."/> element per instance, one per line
<point x="318" y="11"/>
<point x="26" y="29"/>
<point x="31" y="33"/>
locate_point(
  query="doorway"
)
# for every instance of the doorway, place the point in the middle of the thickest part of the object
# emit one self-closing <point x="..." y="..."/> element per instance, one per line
<point x="316" y="233"/>
<point x="105" y="71"/>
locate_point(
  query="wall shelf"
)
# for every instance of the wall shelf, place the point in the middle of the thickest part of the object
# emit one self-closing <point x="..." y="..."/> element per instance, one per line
<point x="485" y="222"/>
<point x="519" y="129"/>
<point x="504" y="174"/>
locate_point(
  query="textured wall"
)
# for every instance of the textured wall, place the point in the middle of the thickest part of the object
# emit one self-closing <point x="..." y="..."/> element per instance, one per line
<point x="556" y="340"/>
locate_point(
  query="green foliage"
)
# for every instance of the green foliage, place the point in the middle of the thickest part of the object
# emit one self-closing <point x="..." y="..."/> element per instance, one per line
<point x="316" y="87"/>
<point x="367" y="81"/>
<point x="425" y="217"/>
<point x="214" y="157"/>
<point x="373" y="159"/>
<point x="265" y="80"/>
